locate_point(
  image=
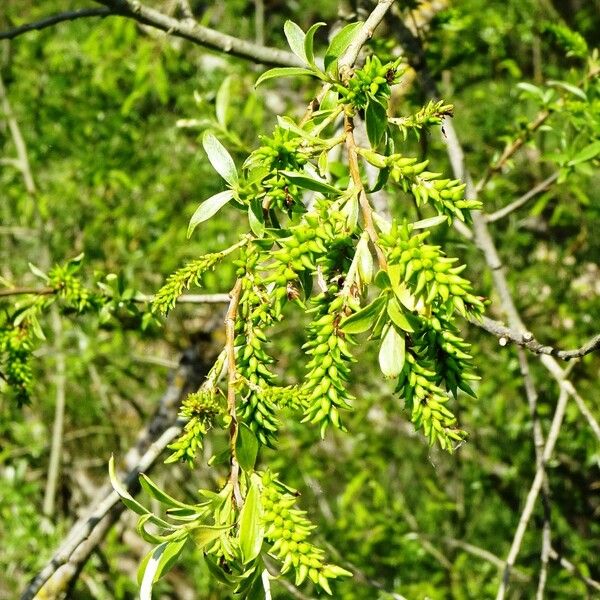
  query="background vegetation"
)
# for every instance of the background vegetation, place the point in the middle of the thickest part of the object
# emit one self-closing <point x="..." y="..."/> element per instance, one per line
<point x="111" y="113"/>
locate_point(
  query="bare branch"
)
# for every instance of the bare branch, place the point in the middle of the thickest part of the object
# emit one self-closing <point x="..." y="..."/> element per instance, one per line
<point x="347" y="61"/>
<point x="534" y="491"/>
<point x="573" y="569"/>
<point x="52" y="20"/>
<point x="521" y="201"/>
<point x="190" y="30"/>
<point x="526" y="339"/>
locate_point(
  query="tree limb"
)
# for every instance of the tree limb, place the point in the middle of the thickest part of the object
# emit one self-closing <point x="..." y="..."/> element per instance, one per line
<point x="522" y="200"/>
<point x="526" y="339"/>
<point x="52" y="20"/>
<point x="190" y="30"/>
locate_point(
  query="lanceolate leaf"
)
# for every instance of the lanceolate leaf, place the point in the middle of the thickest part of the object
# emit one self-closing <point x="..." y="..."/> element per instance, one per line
<point x="208" y="208"/>
<point x="295" y="37"/>
<point x="587" y="153"/>
<point x="309" y="43"/>
<point x="220" y="159"/>
<point x="309" y="183"/>
<point x="156" y="563"/>
<point x="340" y="43"/>
<point x="283" y="72"/>
<point x="363" y="319"/>
<point x="376" y="121"/>
<point x="251" y="530"/>
<point x="246" y="447"/>
<point x="222" y="101"/>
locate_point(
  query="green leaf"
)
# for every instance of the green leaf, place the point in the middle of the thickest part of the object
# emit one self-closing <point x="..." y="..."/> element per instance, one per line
<point x="397" y="315"/>
<point x="205" y="534"/>
<point x="363" y="319"/>
<point x="256" y="218"/>
<point x="376" y="121"/>
<point x="295" y="37"/>
<point x="222" y="101"/>
<point x="382" y="280"/>
<point x="392" y="353"/>
<point x="431" y="222"/>
<point x="251" y="530"/>
<point x="38" y="272"/>
<point x="309" y="183"/>
<point x="309" y="43"/>
<point x="246" y="447"/>
<point x="217" y="572"/>
<point x="125" y="496"/>
<point x="283" y="72"/>
<point x="587" y="153"/>
<point x="208" y="208"/>
<point x="220" y="159"/>
<point x="529" y="88"/>
<point x="156" y="563"/>
<point x="569" y="88"/>
<point x="340" y="42"/>
<point x="159" y="494"/>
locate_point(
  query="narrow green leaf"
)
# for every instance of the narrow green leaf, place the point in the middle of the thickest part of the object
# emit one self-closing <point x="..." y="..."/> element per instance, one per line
<point x="217" y="572"/>
<point x="251" y="531"/>
<point x="125" y="496"/>
<point x="208" y="208"/>
<point x="587" y="153"/>
<point x="397" y="315"/>
<point x="362" y="320"/>
<point x="156" y="563"/>
<point x="246" y="447"/>
<point x="392" y="353"/>
<point x="38" y="272"/>
<point x="309" y="183"/>
<point x="220" y="159"/>
<point x="295" y="37"/>
<point x="309" y="44"/>
<point x="205" y="534"/>
<point x="283" y="72"/>
<point x="431" y="222"/>
<point x="382" y="280"/>
<point x="159" y="494"/>
<point x="256" y="218"/>
<point x="376" y="121"/>
<point x="569" y="88"/>
<point x="150" y="570"/>
<point x="340" y="42"/>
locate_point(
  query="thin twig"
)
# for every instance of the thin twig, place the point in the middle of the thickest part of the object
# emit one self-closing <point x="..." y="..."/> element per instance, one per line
<point x="512" y="148"/>
<point x="52" y="20"/>
<point x="534" y="491"/>
<point x="522" y="200"/>
<point x="366" y="209"/>
<point x="574" y="570"/>
<point x="231" y="385"/>
<point x="526" y="339"/>
<point x="346" y="62"/>
<point x="56" y="444"/>
<point x="18" y="140"/>
<point x="192" y="31"/>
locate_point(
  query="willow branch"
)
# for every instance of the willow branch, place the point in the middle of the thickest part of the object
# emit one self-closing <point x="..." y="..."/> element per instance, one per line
<point x="190" y="30"/>
<point x="512" y="148"/>
<point x="526" y="340"/>
<point x="522" y="200"/>
<point x="52" y="20"/>
<point x="574" y="570"/>
<point x="534" y="491"/>
<point x="231" y="385"/>
<point x="365" y="206"/>
<point x="346" y="62"/>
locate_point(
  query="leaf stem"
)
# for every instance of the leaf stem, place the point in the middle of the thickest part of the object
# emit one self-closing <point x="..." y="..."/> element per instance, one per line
<point x="231" y="383"/>
<point x="367" y="211"/>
